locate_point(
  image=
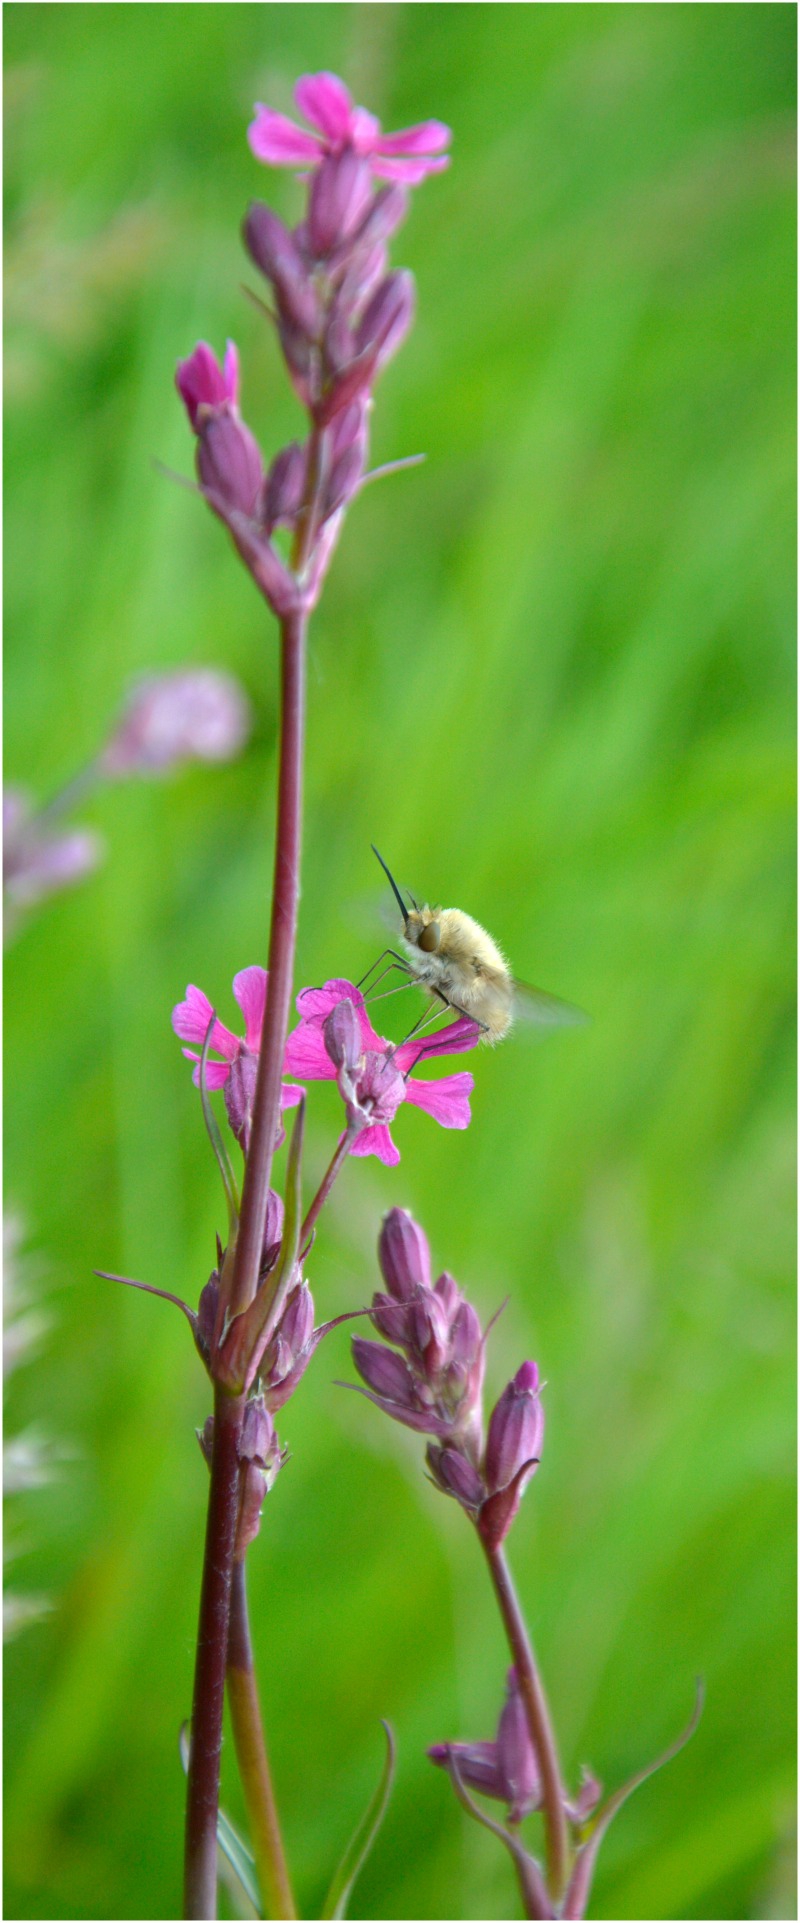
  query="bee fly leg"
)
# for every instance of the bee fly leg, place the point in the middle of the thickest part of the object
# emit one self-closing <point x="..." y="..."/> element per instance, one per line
<point x="398" y="960"/>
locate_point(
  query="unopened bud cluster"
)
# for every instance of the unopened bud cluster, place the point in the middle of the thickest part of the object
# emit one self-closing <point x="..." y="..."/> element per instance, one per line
<point x="340" y="314"/>
<point x="431" y="1379"/>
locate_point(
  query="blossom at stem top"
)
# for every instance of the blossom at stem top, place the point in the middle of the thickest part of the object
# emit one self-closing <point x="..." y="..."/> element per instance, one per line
<point x="236" y="1073"/>
<point x="373" y="1075"/>
<point x="327" y="103"/>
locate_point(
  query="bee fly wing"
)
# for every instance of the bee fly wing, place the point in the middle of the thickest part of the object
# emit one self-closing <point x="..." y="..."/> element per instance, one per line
<point x="535" y="1006"/>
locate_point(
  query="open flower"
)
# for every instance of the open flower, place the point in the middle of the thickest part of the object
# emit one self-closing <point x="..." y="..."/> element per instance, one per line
<point x="327" y="103"/>
<point x="236" y="1073"/>
<point x="373" y="1075"/>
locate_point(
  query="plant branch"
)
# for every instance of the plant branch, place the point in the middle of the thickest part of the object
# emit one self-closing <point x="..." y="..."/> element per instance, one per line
<point x="202" y="1794"/>
<point x="337" y="1159"/>
<point x="251" y="1755"/>
<point x="539" y="1724"/>
<point x="283" y="932"/>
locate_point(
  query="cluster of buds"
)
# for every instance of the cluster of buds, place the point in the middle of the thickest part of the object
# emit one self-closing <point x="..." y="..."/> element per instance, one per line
<point x="340" y="315"/>
<point x="434" y="1384"/>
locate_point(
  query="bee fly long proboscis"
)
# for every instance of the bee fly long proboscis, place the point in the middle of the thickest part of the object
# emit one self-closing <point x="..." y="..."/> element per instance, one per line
<point x="455" y="961"/>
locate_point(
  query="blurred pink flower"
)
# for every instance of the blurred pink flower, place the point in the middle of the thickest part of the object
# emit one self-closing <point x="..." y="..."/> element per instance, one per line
<point x="327" y="103"/>
<point x="192" y="714"/>
<point x="376" y="1077"/>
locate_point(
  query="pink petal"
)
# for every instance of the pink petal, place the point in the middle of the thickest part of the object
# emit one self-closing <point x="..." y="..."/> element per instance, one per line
<point x="365" y="131"/>
<point x="451" y="1040"/>
<point x="315" y="1004"/>
<point x="250" y="989"/>
<point x="306" y="1055"/>
<point x="290" y="1096"/>
<point x="428" y="137"/>
<point x="326" y="102"/>
<point x="376" y="1141"/>
<point x="276" y="140"/>
<point x="411" y="171"/>
<point x="447" y="1101"/>
<point x="190" y="1021"/>
<point x="216" y="1073"/>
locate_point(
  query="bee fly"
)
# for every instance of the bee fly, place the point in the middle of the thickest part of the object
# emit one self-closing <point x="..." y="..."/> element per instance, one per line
<point x="455" y="961"/>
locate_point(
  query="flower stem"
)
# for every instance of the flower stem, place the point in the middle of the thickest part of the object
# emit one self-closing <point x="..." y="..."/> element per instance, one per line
<point x="539" y="1724"/>
<point x="202" y="1794"/>
<point x="251" y="1755"/>
<point x="283" y="932"/>
<point x="340" y="1155"/>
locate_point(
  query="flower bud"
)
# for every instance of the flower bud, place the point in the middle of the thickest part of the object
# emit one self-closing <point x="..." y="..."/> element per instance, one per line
<point x="229" y="463"/>
<point x="516" y="1428"/>
<point x="477" y="1765"/>
<point x="239" y="1094"/>
<point x="340" y="194"/>
<point x="343" y="1040"/>
<point x="273" y="1230"/>
<point x="389" y="207"/>
<point x="195" y="714"/>
<point x="285" y="487"/>
<point x="403" y="1255"/>
<point x="387" y="318"/>
<point x="392" y="1319"/>
<point x="385" y="1372"/>
<point x="276" y="253"/>
<point x="202" y="383"/>
<point x="261" y="1456"/>
<point x="515" y="1755"/>
<point x="456" y="1476"/>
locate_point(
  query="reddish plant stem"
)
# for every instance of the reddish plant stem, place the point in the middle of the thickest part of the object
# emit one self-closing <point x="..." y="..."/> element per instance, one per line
<point x="283" y="932"/>
<point x="541" y="1729"/>
<point x="202" y="1793"/>
<point x="337" y="1159"/>
<point x="251" y="1755"/>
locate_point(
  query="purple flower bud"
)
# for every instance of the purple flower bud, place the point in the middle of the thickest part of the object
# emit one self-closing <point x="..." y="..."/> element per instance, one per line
<point x="582" y="1806"/>
<point x="477" y="1765"/>
<point x="345" y="476"/>
<point x="340" y="194"/>
<point x="349" y="429"/>
<point x="456" y="1475"/>
<point x="207" y="1316"/>
<point x="195" y="714"/>
<point x="516" y="1428"/>
<point x="389" y="207"/>
<point x="466" y="1336"/>
<point x="385" y="1372"/>
<point x="202" y="383"/>
<point x="296" y="1325"/>
<point x="239" y="1094"/>
<point x="276" y="253"/>
<point x="343" y="1041"/>
<point x="297" y="354"/>
<point x="261" y="1456"/>
<point x="392" y="1319"/>
<point x="229" y="463"/>
<point x="446" y="1287"/>
<point x="515" y="1754"/>
<point x="273" y="1231"/>
<point x="257" y="1436"/>
<point x="403" y="1255"/>
<point x="285" y="487"/>
<point x="387" y="318"/>
<point x="427" y="1324"/>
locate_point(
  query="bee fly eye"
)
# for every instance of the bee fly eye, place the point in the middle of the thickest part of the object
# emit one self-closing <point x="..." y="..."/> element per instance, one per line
<point x="429" y="937"/>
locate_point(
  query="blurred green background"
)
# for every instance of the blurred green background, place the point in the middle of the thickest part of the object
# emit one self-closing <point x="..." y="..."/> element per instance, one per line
<point x="552" y="677"/>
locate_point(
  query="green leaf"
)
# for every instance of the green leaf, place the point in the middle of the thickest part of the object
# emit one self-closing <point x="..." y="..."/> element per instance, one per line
<point x="361" y="1841"/>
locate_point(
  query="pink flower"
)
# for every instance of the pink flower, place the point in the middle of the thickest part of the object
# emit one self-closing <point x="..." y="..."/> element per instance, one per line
<point x="236" y="1073"/>
<point x="328" y="104"/>
<point x="374" y="1076"/>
